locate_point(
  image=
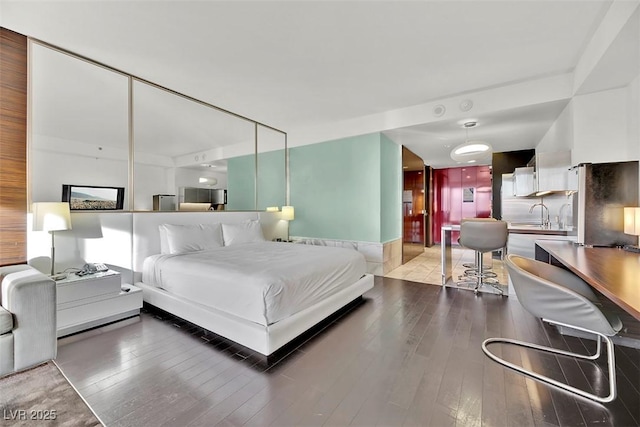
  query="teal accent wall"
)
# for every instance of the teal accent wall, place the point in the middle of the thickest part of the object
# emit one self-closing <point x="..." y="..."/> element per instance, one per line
<point x="241" y="183"/>
<point x="390" y="189"/>
<point x="337" y="191"/>
<point x="271" y="179"/>
<point x="241" y="192"/>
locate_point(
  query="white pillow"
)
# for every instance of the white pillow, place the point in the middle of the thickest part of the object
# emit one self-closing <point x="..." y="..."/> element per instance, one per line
<point x="190" y="238"/>
<point x="248" y="231"/>
<point x="164" y="243"/>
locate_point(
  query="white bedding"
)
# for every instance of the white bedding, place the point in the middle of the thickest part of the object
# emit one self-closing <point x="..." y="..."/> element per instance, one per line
<point x="263" y="282"/>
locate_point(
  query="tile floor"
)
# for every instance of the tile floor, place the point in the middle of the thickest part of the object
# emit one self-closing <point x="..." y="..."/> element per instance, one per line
<point x="426" y="267"/>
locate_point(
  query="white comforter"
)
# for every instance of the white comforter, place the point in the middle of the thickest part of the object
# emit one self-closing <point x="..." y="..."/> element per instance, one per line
<point x="260" y="281"/>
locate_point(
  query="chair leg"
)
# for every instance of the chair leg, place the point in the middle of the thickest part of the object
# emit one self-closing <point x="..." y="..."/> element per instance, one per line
<point x="482" y="274"/>
<point x="610" y="362"/>
<point x="480" y="264"/>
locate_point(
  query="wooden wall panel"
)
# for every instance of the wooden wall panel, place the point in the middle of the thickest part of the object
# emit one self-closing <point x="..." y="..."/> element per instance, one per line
<point x="13" y="147"/>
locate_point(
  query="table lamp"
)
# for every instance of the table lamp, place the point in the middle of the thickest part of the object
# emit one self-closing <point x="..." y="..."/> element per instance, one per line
<point x="51" y="217"/>
<point x="632" y="226"/>
<point x="288" y="214"/>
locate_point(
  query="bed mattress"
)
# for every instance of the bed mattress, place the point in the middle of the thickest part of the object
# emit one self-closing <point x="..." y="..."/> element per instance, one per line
<point x="262" y="282"/>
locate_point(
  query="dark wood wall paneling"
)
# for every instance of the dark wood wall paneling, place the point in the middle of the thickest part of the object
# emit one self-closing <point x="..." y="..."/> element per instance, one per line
<point x="13" y="147"/>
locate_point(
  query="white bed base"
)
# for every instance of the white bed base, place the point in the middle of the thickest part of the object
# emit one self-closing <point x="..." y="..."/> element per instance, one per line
<point x="263" y="339"/>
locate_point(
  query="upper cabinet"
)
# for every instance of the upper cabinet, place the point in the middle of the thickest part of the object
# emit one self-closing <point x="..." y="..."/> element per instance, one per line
<point x="524" y="181"/>
<point x="546" y="173"/>
<point x="552" y="171"/>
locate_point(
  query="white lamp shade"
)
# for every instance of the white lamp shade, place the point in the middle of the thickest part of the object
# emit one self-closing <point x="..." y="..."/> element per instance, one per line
<point x="632" y="221"/>
<point x="51" y="216"/>
<point x="288" y="213"/>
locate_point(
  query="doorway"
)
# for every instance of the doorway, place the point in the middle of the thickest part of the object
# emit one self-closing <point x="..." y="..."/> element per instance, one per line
<point x="414" y="213"/>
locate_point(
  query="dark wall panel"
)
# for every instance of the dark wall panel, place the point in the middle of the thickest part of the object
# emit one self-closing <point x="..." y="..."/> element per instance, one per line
<point x="505" y="163"/>
<point x="13" y="147"/>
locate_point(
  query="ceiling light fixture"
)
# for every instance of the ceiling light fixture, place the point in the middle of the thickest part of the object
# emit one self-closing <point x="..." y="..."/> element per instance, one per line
<point x="471" y="151"/>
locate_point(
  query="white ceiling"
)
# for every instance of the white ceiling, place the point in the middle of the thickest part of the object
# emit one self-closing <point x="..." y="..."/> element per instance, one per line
<point x="509" y="130"/>
<point x="295" y="64"/>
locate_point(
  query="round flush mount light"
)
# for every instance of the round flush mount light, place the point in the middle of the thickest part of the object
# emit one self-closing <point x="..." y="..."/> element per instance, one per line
<point x="471" y="152"/>
<point x="207" y="180"/>
<point x="439" y="110"/>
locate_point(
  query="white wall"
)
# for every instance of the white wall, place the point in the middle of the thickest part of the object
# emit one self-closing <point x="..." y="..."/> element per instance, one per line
<point x="633" y="108"/>
<point x="560" y="136"/>
<point x="601" y="123"/>
<point x="149" y="180"/>
<point x="103" y="237"/>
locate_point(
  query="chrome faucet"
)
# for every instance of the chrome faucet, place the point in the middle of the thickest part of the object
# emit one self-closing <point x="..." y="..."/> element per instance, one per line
<point x="545" y="222"/>
<point x="561" y="222"/>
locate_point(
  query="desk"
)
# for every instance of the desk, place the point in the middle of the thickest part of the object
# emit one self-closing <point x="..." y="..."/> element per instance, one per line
<point x="613" y="272"/>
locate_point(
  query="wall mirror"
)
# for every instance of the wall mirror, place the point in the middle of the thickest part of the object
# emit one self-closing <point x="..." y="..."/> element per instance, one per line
<point x="180" y="150"/>
<point x="272" y="179"/>
<point x="79" y="125"/>
<point x="181" y="145"/>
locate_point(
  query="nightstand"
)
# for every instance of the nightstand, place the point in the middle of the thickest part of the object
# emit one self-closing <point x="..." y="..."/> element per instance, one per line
<point x="85" y="302"/>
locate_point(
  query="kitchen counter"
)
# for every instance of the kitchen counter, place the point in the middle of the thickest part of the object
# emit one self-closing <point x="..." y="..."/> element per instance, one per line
<point x="554" y="230"/>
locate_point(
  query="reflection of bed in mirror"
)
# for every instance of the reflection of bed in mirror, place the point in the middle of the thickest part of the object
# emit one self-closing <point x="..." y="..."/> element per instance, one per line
<point x="259" y="294"/>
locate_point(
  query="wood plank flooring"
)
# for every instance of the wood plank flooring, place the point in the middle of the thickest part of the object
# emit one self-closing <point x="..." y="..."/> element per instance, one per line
<point x="409" y="356"/>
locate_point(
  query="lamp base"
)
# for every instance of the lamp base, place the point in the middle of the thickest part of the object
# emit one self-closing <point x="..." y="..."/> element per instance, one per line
<point x="631" y="248"/>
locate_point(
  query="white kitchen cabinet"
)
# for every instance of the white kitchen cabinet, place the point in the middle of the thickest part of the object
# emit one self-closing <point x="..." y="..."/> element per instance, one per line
<point x="552" y="171"/>
<point x="524" y="181"/>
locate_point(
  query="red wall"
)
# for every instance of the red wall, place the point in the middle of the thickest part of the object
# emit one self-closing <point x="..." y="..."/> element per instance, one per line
<point x="448" y="206"/>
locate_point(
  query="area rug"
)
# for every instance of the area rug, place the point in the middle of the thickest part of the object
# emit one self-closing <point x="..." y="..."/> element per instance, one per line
<point x="42" y="396"/>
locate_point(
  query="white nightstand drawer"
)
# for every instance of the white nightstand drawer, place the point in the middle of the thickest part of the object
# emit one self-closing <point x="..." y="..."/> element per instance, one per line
<point x="99" y="310"/>
<point x="75" y="288"/>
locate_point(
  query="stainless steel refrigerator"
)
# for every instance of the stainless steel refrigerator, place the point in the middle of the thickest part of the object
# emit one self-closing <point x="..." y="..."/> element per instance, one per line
<point x="604" y="189"/>
<point x="164" y="202"/>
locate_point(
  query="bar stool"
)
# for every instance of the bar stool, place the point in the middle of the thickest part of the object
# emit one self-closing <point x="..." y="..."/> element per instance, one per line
<point x="482" y="237"/>
<point x="472" y="268"/>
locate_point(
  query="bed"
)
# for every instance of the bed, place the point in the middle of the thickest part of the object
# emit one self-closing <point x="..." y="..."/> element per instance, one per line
<point x="257" y="293"/>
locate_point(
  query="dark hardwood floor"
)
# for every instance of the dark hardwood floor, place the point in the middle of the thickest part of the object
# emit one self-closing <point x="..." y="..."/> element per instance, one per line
<point x="409" y="356"/>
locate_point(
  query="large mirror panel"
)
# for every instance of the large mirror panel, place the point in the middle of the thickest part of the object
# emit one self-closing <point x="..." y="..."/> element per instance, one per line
<point x="181" y="154"/>
<point x="79" y="126"/>
<point x="272" y="179"/>
<point x="185" y="154"/>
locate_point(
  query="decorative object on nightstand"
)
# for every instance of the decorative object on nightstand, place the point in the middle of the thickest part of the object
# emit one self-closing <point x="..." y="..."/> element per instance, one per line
<point x="632" y="226"/>
<point x="51" y="217"/>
